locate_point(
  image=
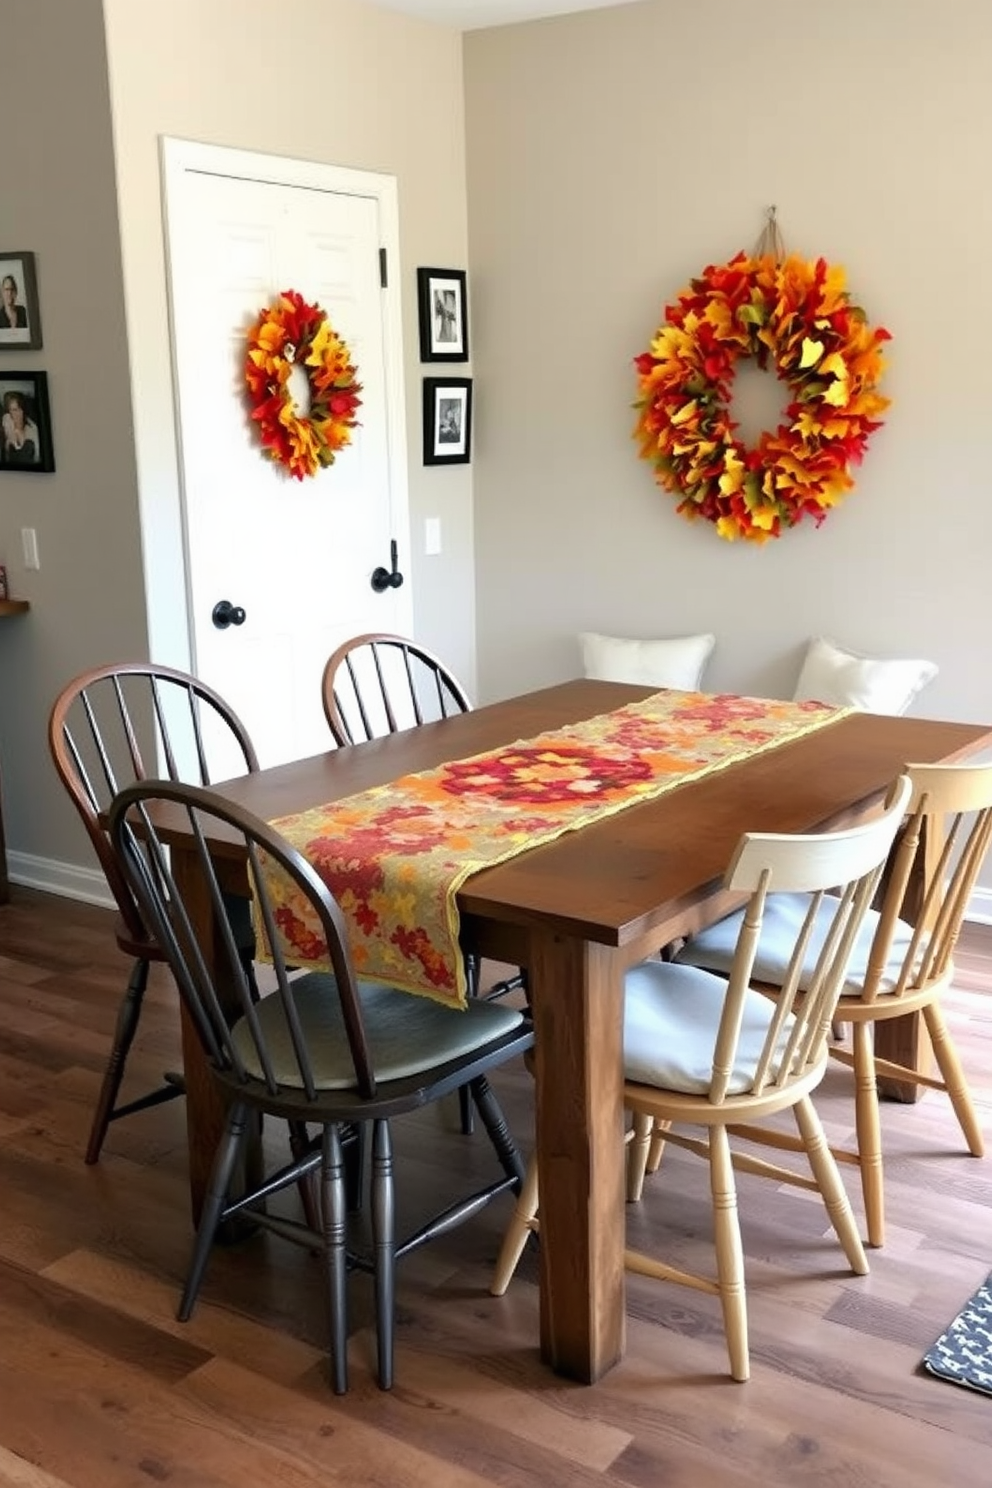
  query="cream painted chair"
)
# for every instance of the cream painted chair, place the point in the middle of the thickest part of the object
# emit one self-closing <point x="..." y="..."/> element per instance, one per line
<point x="709" y="1052"/>
<point x="898" y="967"/>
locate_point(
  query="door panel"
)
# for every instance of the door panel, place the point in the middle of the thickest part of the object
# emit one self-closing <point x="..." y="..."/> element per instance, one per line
<point x="296" y="555"/>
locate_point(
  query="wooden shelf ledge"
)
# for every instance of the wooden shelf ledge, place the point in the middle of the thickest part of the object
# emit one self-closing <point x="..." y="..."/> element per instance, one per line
<point x="13" y="607"/>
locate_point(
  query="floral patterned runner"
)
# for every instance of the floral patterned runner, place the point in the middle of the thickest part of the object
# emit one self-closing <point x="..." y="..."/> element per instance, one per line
<point x="395" y="856"/>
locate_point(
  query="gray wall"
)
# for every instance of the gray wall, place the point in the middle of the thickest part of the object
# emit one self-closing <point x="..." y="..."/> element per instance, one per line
<point x="613" y="154"/>
<point x="87" y="599"/>
<point x="609" y="156"/>
<point x="368" y="89"/>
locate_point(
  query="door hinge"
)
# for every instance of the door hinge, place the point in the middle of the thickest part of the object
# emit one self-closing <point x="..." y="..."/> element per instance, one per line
<point x="383" y="270"/>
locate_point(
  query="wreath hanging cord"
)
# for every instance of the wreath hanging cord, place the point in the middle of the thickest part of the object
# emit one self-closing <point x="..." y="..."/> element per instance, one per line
<point x="798" y="316"/>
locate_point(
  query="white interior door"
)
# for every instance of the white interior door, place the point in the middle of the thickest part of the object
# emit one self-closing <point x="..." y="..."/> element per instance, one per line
<point x="296" y="556"/>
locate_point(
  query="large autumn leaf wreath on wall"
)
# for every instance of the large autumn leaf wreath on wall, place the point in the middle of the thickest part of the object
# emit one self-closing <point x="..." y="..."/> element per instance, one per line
<point x="796" y="317"/>
<point x="292" y="333"/>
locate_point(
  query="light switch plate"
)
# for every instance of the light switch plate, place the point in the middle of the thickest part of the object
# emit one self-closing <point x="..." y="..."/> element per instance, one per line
<point x="432" y="535"/>
<point x="29" y="541"/>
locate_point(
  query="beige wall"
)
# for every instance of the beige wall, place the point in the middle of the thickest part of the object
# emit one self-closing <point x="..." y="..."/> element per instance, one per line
<point x="363" y="88"/>
<point x="58" y="200"/>
<point x="367" y="89"/>
<point x="611" y="155"/>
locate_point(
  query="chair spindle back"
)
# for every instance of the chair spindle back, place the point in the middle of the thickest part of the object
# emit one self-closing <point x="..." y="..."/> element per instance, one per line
<point x="121" y="723"/>
<point x="378" y="684"/>
<point x="815" y="864"/>
<point x="218" y="829"/>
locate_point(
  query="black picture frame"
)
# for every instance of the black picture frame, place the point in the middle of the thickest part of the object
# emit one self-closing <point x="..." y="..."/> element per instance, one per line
<point x="26" y="446"/>
<point x="442" y="300"/>
<point x="19" y="291"/>
<point x="447" y="420"/>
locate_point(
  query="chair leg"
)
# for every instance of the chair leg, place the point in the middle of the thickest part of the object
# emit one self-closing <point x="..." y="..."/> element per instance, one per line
<point x="299" y="1143"/>
<point x="869" y="1133"/>
<point x="334" y="1206"/>
<point x="657" y="1148"/>
<point x="356" y="1165"/>
<point x="828" y="1179"/>
<point x="465" y="1114"/>
<point x="499" y="1132"/>
<point x="384" y="1249"/>
<point x="729" y="1252"/>
<point x="637" y="1155"/>
<point x="949" y="1064"/>
<point x="520" y="1226"/>
<point x="465" y="1111"/>
<point x="127" y="1022"/>
<point x="213" y="1207"/>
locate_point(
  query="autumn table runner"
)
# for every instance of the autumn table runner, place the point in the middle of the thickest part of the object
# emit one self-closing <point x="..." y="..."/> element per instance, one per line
<point x="395" y="856"/>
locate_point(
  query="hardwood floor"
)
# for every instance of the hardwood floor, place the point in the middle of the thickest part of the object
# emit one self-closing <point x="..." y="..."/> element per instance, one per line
<point x="100" y="1387"/>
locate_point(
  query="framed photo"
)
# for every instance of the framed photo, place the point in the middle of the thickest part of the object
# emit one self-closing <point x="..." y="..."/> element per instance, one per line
<point x="443" y="315"/>
<point x="25" y="423"/>
<point x="447" y="420"/>
<point x="20" y="314"/>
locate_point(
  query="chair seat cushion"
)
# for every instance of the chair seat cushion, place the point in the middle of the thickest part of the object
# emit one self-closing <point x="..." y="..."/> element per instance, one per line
<point x="406" y="1035"/>
<point x="784" y="916"/>
<point x="670" y="1022"/>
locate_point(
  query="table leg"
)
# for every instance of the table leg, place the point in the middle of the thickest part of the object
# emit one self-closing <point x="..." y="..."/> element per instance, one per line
<point x="905" y="1040"/>
<point x="576" y="994"/>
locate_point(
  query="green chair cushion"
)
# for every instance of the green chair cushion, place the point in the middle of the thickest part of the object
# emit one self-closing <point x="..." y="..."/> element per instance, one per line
<point x="407" y="1035"/>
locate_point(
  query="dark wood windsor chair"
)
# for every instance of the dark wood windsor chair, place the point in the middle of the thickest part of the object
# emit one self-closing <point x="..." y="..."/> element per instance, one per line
<point x="322" y="1048"/>
<point x="102" y="727"/>
<point x="378" y="684"/>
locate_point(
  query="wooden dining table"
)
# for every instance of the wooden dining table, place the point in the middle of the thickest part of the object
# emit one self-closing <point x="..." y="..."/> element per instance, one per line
<point x="576" y="914"/>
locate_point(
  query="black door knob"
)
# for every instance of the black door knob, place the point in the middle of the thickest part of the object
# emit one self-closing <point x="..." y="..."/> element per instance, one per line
<point x="225" y="614"/>
<point x="384" y="578"/>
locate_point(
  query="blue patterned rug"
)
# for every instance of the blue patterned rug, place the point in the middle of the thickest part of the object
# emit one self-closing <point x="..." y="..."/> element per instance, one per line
<point x="963" y="1354"/>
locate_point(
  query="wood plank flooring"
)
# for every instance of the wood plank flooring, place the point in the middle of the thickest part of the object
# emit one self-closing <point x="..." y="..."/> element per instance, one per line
<point x="100" y="1387"/>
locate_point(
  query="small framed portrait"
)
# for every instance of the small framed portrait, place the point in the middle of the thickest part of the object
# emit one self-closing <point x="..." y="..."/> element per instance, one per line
<point x="443" y="315"/>
<point x="447" y="420"/>
<point x="20" y="315"/>
<point x="25" y="423"/>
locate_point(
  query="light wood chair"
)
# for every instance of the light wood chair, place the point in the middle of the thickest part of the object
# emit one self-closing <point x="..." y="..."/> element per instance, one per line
<point x="101" y="727"/>
<point x="903" y="961"/>
<point x="704" y="1051"/>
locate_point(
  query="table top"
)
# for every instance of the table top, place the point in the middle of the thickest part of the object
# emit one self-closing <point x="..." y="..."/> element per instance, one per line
<point x="620" y="879"/>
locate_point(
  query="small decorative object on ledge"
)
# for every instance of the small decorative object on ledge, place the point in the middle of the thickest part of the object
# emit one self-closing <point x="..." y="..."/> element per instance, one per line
<point x="291" y="334"/>
<point x="796" y="316"/>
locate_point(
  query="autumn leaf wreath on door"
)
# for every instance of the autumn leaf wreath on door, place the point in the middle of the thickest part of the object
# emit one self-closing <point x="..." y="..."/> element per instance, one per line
<point x="796" y="317"/>
<point x="294" y="333"/>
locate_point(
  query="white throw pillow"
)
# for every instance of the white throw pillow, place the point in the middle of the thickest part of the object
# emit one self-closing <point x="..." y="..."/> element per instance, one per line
<point x="871" y="683"/>
<point x="676" y="662"/>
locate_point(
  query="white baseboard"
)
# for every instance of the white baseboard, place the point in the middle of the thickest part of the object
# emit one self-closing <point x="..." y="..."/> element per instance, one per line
<point x="980" y="906"/>
<point x="90" y="886"/>
<point x="67" y="879"/>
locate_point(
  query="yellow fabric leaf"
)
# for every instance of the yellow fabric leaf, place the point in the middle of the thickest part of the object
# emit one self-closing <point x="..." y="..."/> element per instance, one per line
<point x="833" y="365"/>
<point x="811" y="353"/>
